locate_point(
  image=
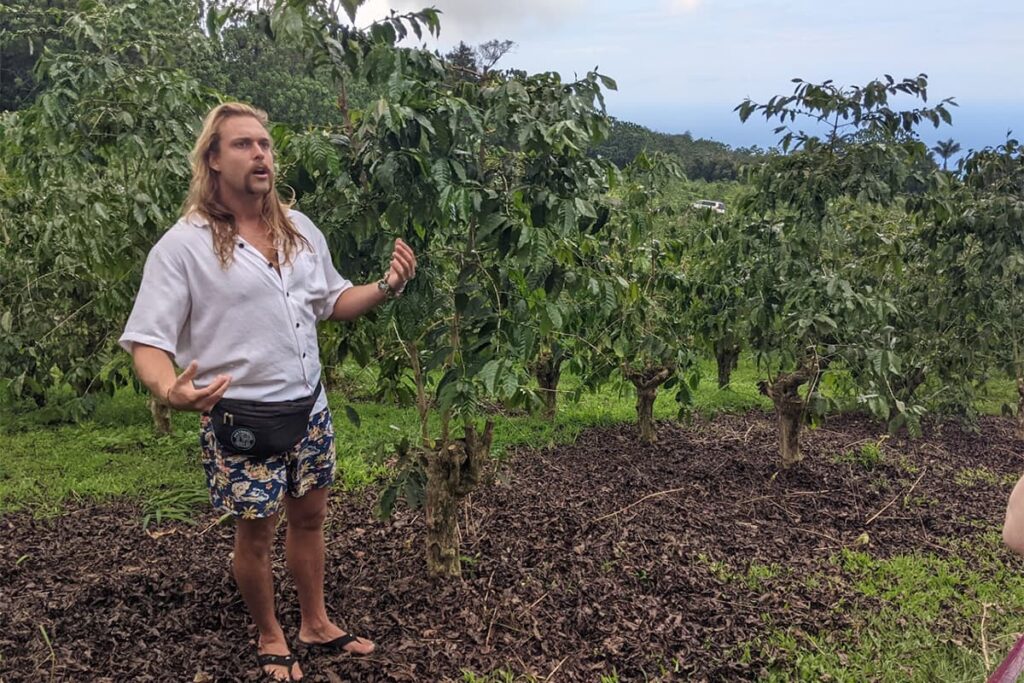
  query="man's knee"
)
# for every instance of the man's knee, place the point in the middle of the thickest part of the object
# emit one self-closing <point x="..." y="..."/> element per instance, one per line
<point x="308" y="517"/>
<point x="255" y="537"/>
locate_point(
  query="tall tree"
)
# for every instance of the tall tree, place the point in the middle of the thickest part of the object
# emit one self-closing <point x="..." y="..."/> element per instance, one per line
<point x="463" y="58"/>
<point x="465" y="171"/>
<point x="491" y="52"/>
<point x="974" y="234"/>
<point x="946" y="149"/>
<point x="636" y="295"/>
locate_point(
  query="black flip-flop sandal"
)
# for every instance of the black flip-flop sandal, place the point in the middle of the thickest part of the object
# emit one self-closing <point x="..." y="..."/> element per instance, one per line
<point x="336" y="645"/>
<point x="287" y="661"/>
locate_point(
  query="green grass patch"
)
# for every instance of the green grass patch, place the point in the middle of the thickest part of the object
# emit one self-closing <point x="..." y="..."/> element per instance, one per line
<point x="42" y="468"/>
<point x="115" y="453"/>
<point x="996" y="395"/>
<point x="969" y="476"/>
<point x="936" y="619"/>
<point x="867" y="457"/>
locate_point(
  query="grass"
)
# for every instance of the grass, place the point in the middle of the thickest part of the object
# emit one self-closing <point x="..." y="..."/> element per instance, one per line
<point x="951" y="618"/>
<point x="868" y="456"/>
<point x="116" y="454"/>
<point x="995" y="394"/>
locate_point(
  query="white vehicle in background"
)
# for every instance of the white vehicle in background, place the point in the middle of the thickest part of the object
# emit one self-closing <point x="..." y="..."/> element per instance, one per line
<point x="709" y="204"/>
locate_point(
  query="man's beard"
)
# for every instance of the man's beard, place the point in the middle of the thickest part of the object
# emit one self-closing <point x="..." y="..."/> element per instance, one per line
<point x="250" y="185"/>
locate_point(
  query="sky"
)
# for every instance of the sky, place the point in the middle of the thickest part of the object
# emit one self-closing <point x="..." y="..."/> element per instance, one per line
<point x="683" y="65"/>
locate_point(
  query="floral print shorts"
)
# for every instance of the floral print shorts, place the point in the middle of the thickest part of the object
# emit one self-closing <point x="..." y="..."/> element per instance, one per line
<point x="253" y="489"/>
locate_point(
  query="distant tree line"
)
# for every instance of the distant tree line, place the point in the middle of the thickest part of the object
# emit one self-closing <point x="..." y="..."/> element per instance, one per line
<point x="699" y="158"/>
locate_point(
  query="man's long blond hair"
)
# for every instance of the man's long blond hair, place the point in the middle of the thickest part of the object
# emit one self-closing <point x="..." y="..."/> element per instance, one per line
<point x="202" y="197"/>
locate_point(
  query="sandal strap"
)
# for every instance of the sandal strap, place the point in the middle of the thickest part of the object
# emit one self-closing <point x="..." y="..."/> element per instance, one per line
<point x="341" y="641"/>
<point x="276" y="660"/>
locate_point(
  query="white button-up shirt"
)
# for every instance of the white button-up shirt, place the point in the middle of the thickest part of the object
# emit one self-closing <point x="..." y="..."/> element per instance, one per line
<point x="247" y="321"/>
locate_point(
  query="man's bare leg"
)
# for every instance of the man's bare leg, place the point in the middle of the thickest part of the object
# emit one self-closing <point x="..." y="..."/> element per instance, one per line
<point x="304" y="548"/>
<point x="253" y="543"/>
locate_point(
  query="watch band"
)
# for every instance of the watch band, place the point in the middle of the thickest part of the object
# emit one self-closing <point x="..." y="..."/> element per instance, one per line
<point x="389" y="291"/>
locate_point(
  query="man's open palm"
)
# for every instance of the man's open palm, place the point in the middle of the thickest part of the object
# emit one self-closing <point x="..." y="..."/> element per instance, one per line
<point x="184" y="396"/>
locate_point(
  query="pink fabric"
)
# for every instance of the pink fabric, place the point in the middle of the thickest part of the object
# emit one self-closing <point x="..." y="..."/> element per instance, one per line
<point x="1012" y="667"/>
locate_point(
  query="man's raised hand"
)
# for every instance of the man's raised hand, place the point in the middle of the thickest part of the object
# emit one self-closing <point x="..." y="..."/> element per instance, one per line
<point x="403" y="266"/>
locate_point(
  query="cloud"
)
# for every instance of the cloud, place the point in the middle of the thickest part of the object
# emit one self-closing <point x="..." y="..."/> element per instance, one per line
<point x="683" y="6"/>
<point x="476" y="21"/>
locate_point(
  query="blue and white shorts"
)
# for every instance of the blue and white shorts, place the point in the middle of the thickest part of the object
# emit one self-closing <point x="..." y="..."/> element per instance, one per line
<point x="254" y="489"/>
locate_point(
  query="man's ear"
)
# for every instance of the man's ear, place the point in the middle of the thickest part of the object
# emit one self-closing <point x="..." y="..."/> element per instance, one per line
<point x="213" y="161"/>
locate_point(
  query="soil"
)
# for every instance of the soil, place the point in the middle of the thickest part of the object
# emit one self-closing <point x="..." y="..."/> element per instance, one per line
<point x="665" y="562"/>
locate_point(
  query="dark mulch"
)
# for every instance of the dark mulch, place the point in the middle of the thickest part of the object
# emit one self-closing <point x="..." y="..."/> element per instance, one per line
<point x="598" y="555"/>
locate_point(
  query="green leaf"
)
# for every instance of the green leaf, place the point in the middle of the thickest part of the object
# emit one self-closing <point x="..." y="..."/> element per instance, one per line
<point x="585" y="208"/>
<point x="353" y="416"/>
<point x="489" y="373"/>
<point x="386" y="502"/>
<point x="509" y="385"/>
<point x="554" y="315"/>
<point x="414" y="492"/>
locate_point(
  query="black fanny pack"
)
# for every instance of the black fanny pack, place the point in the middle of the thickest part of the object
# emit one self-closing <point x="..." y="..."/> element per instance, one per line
<point x="261" y="428"/>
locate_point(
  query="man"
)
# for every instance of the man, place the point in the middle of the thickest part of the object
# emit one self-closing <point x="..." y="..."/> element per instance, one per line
<point x="1013" y="527"/>
<point x="232" y="293"/>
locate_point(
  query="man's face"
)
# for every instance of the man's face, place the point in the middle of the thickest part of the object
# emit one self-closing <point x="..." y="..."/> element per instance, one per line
<point x="244" y="159"/>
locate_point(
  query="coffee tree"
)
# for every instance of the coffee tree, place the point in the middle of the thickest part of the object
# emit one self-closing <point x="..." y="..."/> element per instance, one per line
<point x="93" y="171"/>
<point x="637" y="298"/>
<point x="716" y="282"/>
<point x="974" y="228"/>
<point x="464" y="170"/>
<point x="809" y="293"/>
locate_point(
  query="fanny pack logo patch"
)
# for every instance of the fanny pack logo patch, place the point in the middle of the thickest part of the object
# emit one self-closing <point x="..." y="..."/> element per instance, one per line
<point x="243" y="439"/>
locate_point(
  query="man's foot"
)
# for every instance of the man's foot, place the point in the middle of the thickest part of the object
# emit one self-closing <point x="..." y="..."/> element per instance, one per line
<point x="330" y="637"/>
<point x="277" y="662"/>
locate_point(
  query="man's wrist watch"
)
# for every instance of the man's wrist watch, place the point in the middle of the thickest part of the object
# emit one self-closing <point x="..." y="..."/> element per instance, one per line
<point x="390" y="292"/>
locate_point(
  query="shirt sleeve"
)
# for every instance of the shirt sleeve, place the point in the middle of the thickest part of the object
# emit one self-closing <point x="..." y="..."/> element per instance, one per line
<point x="336" y="284"/>
<point x="163" y="303"/>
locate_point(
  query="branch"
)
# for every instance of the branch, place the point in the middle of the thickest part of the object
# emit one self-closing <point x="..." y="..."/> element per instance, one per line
<point x="651" y="495"/>
<point x="887" y="505"/>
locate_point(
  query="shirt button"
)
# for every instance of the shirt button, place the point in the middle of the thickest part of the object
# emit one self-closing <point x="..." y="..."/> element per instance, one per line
<point x="296" y="324"/>
<point x="287" y="293"/>
<point x="241" y="245"/>
<point x="303" y="355"/>
<point x="270" y="264"/>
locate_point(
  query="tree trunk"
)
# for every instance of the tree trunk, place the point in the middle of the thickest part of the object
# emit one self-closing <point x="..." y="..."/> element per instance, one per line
<point x="422" y="400"/>
<point x="442" y="516"/>
<point x="790" y="414"/>
<point x="645" y="414"/>
<point x="161" y="413"/>
<point x="1020" y="407"/>
<point x="548" y="371"/>
<point x="452" y="472"/>
<point x="728" y="357"/>
<point x="789" y="408"/>
<point x="647" y="382"/>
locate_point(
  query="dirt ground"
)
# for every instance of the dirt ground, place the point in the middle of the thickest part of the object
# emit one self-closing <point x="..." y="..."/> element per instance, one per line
<point x="580" y="559"/>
